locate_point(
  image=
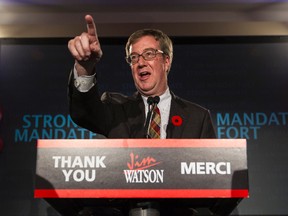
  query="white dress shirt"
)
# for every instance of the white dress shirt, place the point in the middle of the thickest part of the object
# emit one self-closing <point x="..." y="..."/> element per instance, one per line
<point x="83" y="83"/>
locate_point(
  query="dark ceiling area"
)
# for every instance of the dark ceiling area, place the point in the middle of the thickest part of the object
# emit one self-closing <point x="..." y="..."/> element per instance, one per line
<point x="116" y="18"/>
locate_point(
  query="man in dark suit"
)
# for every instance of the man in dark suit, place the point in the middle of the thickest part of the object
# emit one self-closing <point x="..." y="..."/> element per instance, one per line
<point x="149" y="53"/>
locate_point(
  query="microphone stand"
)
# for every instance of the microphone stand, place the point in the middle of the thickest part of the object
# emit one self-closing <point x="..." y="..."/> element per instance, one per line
<point x="152" y="102"/>
<point x="144" y="207"/>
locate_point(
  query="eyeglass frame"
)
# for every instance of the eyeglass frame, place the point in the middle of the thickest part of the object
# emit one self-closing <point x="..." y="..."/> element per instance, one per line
<point x="155" y="52"/>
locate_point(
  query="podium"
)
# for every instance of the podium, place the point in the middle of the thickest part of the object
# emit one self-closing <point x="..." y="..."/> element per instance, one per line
<point x="113" y="173"/>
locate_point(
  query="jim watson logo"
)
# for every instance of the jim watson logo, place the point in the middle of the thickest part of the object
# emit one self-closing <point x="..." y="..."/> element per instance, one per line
<point x="139" y="170"/>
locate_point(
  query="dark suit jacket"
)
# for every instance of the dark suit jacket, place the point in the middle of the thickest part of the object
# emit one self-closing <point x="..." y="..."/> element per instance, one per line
<point x="118" y="116"/>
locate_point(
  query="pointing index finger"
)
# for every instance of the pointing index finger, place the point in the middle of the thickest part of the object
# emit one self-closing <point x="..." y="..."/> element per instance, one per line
<point x="91" y="27"/>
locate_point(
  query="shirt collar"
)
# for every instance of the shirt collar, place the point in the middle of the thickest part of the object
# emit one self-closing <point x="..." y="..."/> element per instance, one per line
<point x="165" y="96"/>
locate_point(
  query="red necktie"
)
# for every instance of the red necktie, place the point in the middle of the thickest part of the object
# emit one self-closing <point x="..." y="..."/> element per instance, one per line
<point x="154" y="129"/>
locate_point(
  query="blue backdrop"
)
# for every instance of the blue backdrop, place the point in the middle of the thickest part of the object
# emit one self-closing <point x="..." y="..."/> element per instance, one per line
<point x="242" y="80"/>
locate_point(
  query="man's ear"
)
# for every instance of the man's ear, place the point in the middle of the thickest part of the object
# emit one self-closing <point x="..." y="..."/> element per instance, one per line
<point x="167" y="63"/>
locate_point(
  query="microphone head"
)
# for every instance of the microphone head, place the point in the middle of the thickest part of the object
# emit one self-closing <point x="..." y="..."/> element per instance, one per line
<point x="156" y="99"/>
<point x="150" y="100"/>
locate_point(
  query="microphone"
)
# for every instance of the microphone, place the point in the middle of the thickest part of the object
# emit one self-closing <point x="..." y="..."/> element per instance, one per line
<point x="152" y="102"/>
<point x="156" y="99"/>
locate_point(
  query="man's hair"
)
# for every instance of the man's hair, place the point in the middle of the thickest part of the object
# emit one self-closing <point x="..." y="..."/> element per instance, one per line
<point x="165" y="42"/>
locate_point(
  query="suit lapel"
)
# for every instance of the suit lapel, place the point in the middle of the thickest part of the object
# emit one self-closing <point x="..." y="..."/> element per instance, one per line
<point x="177" y="112"/>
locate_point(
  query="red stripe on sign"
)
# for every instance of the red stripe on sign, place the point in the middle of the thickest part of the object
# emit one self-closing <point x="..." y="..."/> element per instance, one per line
<point x="142" y="143"/>
<point x="80" y="193"/>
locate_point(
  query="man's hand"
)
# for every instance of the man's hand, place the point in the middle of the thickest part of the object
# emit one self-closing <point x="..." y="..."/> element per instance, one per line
<point x="86" y="48"/>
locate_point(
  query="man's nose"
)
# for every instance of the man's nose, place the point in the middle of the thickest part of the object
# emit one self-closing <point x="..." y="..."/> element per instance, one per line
<point x="141" y="60"/>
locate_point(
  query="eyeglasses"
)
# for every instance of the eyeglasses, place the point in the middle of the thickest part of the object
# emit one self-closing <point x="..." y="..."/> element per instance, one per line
<point x="148" y="55"/>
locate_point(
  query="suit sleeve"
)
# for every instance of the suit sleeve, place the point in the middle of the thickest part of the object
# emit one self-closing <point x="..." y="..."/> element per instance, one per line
<point x="208" y="130"/>
<point x="87" y="110"/>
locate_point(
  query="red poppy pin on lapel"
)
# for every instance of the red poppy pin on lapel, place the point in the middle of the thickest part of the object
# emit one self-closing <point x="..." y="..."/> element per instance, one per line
<point x="177" y="120"/>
